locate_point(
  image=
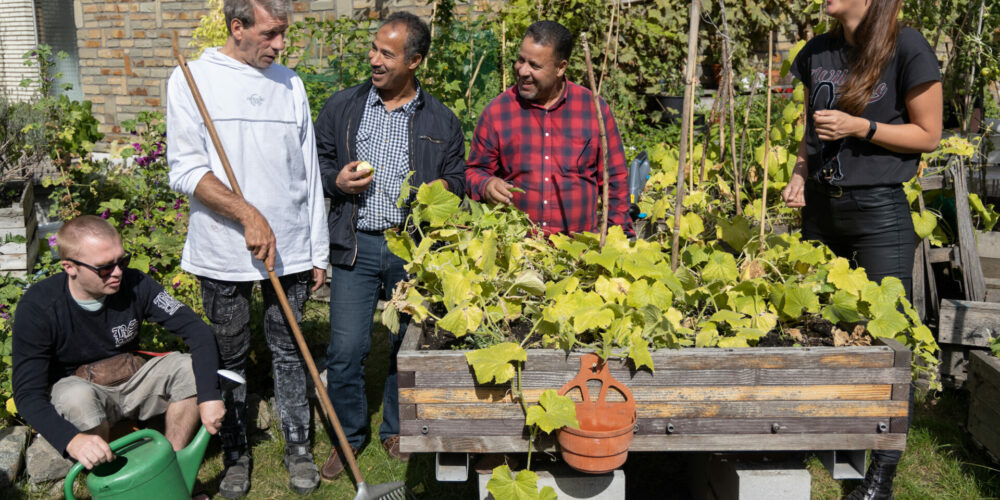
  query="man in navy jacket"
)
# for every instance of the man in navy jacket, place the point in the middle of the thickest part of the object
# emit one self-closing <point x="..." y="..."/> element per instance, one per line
<point x="406" y="135"/>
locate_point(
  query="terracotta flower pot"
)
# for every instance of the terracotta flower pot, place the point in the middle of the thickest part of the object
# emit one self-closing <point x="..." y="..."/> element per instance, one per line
<point x="601" y="443"/>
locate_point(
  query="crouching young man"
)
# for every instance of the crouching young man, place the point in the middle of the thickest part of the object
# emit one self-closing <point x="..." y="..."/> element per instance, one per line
<point x="74" y="368"/>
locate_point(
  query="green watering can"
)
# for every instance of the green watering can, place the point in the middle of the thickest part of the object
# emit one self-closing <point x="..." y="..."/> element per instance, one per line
<point x="145" y="467"/>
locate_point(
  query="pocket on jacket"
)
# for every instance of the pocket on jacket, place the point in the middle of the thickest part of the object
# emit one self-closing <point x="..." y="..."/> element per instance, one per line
<point x="580" y="156"/>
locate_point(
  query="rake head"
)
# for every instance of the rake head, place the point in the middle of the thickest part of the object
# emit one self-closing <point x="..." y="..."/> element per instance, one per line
<point x="385" y="491"/>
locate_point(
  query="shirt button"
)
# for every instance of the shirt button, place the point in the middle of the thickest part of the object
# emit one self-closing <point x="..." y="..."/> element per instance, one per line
<point x="546" y="157"/>
<point x="546" y="134"/>
<point x="545" y="202"/>
<point x="546" y="179"/>
<point x="545" y="223"/>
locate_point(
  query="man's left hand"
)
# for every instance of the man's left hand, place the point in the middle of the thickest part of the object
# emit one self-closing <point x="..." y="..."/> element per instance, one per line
<point x="319" y="278"/>
<point x="211" y="415"/>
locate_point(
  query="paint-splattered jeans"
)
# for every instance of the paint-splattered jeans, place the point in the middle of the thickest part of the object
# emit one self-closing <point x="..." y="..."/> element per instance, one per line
<point x="227" y="305"/>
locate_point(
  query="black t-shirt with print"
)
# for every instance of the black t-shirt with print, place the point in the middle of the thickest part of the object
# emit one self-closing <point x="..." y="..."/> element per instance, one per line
<point x="53" y="336"/>
<point x="821" y="65"/>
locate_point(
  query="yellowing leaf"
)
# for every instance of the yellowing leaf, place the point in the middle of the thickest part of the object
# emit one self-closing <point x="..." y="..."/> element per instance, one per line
<point x="887" y="322"/>
<point x="843" y="277"/>
<point x="731" y="342"/>
<point x="923" y="223"/>
<point x="436" y="203"/>
<point x="462" y="319"/>
<point x="530" y="281"/>
<point x="525" y="487"/>
<point x="721" y="266"/>
<point x="496" y="363"/>
<point x="552" y="412"/>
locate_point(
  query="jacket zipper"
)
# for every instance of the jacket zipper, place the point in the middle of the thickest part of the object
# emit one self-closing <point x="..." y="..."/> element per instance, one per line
<point x="354" y="215"/>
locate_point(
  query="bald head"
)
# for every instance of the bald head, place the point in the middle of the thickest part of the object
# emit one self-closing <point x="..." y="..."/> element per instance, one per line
<point x="73" y="234"/>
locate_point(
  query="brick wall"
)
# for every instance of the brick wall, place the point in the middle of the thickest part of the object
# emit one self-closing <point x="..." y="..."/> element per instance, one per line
<point x="126" y="53"/>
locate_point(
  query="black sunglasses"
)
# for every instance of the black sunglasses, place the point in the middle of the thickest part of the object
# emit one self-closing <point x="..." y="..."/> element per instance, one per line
<point x="106" y="270"/>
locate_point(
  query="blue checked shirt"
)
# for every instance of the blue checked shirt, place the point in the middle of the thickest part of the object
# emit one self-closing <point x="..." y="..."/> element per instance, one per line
<point x="384" y="141"/>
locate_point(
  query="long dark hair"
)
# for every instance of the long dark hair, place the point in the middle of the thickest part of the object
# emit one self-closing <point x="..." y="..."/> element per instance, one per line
<point x="874" y="45"/>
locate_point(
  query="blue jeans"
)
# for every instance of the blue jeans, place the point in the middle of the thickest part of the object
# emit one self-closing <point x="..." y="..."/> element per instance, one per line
<point x="354" y="294"/>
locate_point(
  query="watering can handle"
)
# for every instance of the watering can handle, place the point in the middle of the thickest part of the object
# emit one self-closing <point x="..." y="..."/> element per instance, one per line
<point x="115" y="446"/>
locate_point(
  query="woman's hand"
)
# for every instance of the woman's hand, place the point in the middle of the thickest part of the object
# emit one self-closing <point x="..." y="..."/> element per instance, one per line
<point x="832" y="124"/>
<point x="794" y="193"/>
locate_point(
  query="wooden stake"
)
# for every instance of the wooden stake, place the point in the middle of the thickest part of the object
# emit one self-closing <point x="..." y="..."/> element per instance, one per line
<point x="743" y="141"/>
<point x="727" y="69"/>
<point x="692" y="54"/>
<point x="767" y="140"/>
<point x="607" y="45"/>
<point x="604" y="139"/>
<point x="503" y="52"/>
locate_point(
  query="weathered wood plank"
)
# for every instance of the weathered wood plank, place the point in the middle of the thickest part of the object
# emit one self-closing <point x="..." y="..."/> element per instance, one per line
<point x="20" y="261"/>
<point x="714" y="443"/>
<point x="985" y="366"/>
<point x="803" y="376"/>
<point x="967" y="322"/>
<point x="19" y="210"/>
<point x="943" y="254"/>
<point x="655" y="426"/>
<point x="491" y="394"/>
<point x="690" y="358"/>
<point x="932" y="182"/>
<point x="985" y="432"/>
<point x="972" y="271"/>
<point x="728" y="409"/>
<point x="405" y="379"/>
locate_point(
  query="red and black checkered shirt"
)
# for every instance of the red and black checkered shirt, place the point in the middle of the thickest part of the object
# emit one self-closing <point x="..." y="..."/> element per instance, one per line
<point x="554" y="155"/>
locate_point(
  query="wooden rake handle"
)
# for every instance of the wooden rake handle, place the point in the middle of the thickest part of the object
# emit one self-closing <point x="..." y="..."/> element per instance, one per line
<point x="324" y="399"/>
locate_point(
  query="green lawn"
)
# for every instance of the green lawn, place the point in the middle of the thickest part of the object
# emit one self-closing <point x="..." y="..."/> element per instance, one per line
<point x="940" y="461"/>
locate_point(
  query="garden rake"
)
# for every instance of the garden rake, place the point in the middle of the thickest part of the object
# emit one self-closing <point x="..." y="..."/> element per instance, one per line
<point x="388" y="491"/>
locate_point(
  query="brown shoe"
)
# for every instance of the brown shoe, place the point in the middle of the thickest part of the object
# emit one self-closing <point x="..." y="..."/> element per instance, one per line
<point x="391" y="446"/>
<point x="335" y="465"/>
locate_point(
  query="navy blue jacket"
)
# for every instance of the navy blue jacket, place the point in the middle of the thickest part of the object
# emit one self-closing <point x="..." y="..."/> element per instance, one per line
<point x="437" y="151"/>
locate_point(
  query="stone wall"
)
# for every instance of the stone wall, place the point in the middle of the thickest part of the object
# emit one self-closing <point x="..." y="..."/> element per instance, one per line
<point x="125" y="46"/>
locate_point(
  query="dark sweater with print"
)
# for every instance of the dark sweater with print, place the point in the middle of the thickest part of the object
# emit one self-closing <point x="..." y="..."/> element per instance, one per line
<point x="53" y="336"/>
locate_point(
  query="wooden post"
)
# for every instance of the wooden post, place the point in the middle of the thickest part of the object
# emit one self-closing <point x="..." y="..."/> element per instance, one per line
<point x="731" y="101"/>
<point x="972" y="269"/>
<point x="692" y="54"/>
<point x="605" y="157"/>
<point x="743" y="142"/>
<point x="767" y="140"/>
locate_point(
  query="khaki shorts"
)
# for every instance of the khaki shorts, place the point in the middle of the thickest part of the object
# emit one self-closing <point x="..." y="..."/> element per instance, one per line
<point x="159" y="382"/>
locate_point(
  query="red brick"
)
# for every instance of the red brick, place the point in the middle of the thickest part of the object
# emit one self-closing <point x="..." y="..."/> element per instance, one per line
<point x="138" y="91"/>
<point x="152" y="101"/>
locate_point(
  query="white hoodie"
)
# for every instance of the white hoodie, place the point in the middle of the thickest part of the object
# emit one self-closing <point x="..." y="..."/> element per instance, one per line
<point x="263" y="121"/>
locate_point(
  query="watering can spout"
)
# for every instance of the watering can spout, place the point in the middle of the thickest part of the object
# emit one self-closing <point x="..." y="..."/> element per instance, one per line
<point x="189" y="459"/>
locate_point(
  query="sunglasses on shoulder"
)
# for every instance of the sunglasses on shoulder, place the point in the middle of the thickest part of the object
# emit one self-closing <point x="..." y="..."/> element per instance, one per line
<point x="106" y="270"/>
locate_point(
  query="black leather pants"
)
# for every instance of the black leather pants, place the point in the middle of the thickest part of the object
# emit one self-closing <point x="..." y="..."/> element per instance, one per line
<point x="872" y="228"/>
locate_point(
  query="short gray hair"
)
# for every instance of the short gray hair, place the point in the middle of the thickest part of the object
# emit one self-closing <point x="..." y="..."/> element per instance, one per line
<point x="244" y="11"/>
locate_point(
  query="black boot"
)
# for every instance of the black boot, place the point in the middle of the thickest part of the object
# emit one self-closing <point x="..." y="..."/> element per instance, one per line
<point x="877" y="484"/>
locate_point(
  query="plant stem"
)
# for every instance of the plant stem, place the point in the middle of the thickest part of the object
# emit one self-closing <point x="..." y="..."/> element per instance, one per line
<point x="468" y="93"/>
<point x="692" y="53"/>
<point x="767" y="140"/>
<point x="604" y="139"/>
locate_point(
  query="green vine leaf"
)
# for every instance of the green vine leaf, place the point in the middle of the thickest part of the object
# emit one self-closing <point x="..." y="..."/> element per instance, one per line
<point x="552" y="412"/>
<point x="843" y="277"/>
<point x="436" y="204"/>
<point x="887" y="322"/>
<point x="591" y="313"/>
<point x="530" y="281"/>
<point x="792" y="300"/>
<point x="496" y="362"/>
<point x="843" y="308"/>
<point x="462" y="319"/>
<point x="924" y="223"/>
<point x="638" y="351"/>
<point x="721" y="266"/>
<point x="735" y="231"/>
<point x="525" y="487"/>
<point x="642" y="293"/>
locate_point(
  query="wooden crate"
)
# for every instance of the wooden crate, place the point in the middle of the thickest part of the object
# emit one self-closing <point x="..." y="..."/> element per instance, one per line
<point x="984" y="396"/>
<point x="19" y="220"/>
<point x="754" y="399"/>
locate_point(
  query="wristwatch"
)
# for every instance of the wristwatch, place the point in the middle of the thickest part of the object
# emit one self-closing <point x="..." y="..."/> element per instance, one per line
<point x="871" y="130"/>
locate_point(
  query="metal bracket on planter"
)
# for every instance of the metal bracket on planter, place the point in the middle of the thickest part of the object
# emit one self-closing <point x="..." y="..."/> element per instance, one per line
<point x="452" y="467"/>
<point x="844" y="464"/>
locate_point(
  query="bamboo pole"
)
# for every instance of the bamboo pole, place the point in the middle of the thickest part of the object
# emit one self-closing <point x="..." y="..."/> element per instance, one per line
<point x="604" y="139"/>
<point x="692" y="54"/>
<point x="743" y="140"/>
<point x="607" y="45"/>
<point x="503" y="52"/>
<point x="727" y="64"/>
<point x="767" y="139"/>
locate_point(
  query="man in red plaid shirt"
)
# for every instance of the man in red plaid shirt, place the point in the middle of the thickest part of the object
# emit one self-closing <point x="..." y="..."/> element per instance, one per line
<point x="541" y="135"/>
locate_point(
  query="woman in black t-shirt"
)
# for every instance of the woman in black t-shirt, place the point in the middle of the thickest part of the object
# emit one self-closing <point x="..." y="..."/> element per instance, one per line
<point x="873" y="105"/>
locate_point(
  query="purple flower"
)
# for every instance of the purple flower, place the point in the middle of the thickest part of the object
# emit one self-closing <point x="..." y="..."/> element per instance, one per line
<point x="137" y="146"/>
<point x="106" y="213"/>
<point x="52" y="244"/>
<point x="152" y="269"/>
<point x="4" y="315"/>
<point x="177" y="203"/>
<point x="177" y="284"/>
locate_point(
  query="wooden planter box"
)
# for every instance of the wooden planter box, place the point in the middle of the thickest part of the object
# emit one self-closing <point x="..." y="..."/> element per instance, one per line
<point x="19" y="220"/>
<point x="754" y="399"/>
<point x="984" y="404"/>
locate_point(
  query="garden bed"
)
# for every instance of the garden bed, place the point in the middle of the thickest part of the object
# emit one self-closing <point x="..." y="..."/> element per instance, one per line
<point x="18" y="224"/>
<point x="984" y="404"/>
<point x="698" y="399"/>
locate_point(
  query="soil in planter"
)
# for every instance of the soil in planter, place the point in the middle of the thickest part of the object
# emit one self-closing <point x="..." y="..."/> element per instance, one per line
<point x="435" y="338"/>
<point x="816" y="332"/>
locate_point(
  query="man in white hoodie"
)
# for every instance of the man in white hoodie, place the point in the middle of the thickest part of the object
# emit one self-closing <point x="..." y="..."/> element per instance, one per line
<point x="261" y="113"/>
